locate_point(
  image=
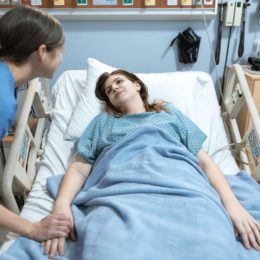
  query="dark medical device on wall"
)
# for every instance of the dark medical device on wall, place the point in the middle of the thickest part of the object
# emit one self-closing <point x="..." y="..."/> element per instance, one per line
<point x="255" y="62"/>
<point x="188" y="43"/>
<point x="219" y="36"/>
<point x="242" y="32"/>
<point x="258" y="12"/>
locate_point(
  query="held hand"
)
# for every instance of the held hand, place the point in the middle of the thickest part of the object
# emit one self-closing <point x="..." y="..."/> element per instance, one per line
<point x="53" y="245"/>
<point x="245" y="226"/>
<point x="55" y="225"/>
<point x="65" y="209"/>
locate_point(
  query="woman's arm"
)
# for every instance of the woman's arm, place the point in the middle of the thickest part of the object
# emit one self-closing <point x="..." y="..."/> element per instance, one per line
<point x="245" y="225"/>
<point x="71" y="184"/>
<point x="49" y="227"/>
<point x="73" y="181"/>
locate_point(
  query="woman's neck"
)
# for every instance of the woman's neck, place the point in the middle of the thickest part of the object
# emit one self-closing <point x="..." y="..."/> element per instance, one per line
<point x="134" y="108"/>
<point x="21" y="72"/>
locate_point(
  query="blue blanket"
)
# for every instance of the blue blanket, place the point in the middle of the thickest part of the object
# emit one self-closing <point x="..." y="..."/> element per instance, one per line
<point x="147" y="198"/>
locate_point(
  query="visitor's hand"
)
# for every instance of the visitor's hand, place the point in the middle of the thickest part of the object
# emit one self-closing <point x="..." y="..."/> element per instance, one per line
<point x="54" y="225"/>
<point x="245" y="226"/>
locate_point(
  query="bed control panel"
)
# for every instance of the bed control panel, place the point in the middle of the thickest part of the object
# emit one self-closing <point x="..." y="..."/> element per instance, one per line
<point x="24" y="149"/>
<point x="252" y="140"/>
<point x="236" y="101"/>
<point x="254" y="144"/>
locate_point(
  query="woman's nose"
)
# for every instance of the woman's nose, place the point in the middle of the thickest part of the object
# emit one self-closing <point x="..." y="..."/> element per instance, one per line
<point x="115" y="86"/>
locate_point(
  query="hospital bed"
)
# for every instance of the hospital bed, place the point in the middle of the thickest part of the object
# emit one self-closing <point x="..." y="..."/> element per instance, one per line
<point x="72" y="97"/>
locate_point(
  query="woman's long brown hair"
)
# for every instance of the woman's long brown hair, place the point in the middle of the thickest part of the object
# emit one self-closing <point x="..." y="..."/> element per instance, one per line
<point x="101" y="93"/>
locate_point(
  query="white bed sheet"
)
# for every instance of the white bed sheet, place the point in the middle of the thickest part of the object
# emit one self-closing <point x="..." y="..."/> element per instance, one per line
<point x="58" y="153"/>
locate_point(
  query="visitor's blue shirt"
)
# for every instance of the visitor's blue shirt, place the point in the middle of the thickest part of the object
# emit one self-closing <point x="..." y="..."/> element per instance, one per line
<point x="105" y="130"/>
<point x="7" y="99"/>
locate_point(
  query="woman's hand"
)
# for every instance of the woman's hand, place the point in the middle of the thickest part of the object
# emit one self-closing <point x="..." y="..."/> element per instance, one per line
<point x="51" y="246"/>
<point x="71" y="184"/>
<point x="54" y="245"/>
<point x="65" y="209"/>
<point x="54" y="225"/>
<point x="245" y="225"/>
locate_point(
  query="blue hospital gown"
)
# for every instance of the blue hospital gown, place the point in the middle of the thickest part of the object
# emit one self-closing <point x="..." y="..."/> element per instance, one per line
<point x="105" y="130"/>
<point x="7" y="99"/>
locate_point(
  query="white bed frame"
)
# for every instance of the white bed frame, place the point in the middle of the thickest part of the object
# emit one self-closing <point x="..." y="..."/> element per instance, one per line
<point x="236" y="95"/>
<point x="20" y="168"/>
<point x="22" y="176"/>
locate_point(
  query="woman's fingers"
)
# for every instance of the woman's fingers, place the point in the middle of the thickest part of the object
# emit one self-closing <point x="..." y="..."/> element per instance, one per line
<point x="255" y="241"/>
<point x="47" y="247"/>
<point x="249" y="233"/>
<point x="53" y="247"/>
<point x="73" y="235"/>
<point x="61" y="243"/>
<point x="243" y="234"/>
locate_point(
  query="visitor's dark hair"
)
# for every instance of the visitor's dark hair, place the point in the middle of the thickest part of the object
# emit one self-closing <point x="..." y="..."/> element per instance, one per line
<point x="23" y="29"/>
<point x="101" y="93"/>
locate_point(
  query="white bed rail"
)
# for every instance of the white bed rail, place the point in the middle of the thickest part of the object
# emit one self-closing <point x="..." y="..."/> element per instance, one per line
<point x="236" y="95"/>
<point x="20" y="166"/>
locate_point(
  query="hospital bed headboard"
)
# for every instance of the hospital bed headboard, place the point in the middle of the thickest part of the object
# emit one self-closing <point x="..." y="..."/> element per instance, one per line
<point x="20" y="166"/>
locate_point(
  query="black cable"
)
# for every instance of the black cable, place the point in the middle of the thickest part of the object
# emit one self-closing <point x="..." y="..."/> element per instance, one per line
<point x="3" y="159"/>
<point x="229" y="37"/>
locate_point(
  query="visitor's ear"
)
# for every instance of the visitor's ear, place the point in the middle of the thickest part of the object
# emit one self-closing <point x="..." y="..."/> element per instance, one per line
<point x="42" y="52"/>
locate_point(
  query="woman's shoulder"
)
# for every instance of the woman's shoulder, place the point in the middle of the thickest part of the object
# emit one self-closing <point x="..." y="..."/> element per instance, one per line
<point x="5" y="71"/>
<point x="170" y="107"/>
<point x="102" y="118"/>
<point x="173" y="110"/>
<point x="97" y="122"/>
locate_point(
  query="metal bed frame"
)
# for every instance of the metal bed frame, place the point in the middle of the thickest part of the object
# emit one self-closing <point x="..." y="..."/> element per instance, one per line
<point x="236" y="95"/>
<point x="20" y="168"/>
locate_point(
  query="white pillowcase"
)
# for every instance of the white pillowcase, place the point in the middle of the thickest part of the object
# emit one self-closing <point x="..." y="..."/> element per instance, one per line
<point x="192" y="92"/>
<point x="180" y="88"/>
<point x="65" y="94"/>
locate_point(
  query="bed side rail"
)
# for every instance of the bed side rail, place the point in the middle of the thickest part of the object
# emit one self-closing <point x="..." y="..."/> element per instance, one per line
<point x="237" y="94"/>
<point x="20" y="166"/>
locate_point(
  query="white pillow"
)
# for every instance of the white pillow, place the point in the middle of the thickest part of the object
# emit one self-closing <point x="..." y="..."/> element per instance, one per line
<point x="180" y="88"/>
<point x="65" y="94"/>
<point x="192" y="92"/>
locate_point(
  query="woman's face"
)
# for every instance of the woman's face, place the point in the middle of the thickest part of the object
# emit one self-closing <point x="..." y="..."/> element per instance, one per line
<point x="121" y="90"/>
<point x="53" y="59"/>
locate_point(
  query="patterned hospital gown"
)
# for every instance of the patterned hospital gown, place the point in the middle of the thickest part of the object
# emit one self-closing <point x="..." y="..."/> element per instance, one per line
<point x="105" y="130"/>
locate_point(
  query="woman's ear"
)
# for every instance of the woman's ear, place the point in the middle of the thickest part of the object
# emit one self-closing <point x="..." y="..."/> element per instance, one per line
<point x="42" y="52"/>
<point x="137" y="86"/>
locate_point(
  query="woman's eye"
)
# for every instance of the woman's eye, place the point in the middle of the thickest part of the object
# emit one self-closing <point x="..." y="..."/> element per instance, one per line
<point x="108" y="91"/>
<point x="118" y="81"/>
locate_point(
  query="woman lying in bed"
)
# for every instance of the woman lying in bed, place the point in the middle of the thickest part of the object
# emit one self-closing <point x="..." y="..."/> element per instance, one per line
<point x="126" y="108"/>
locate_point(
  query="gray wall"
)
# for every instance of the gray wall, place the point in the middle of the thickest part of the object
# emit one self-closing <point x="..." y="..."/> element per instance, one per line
<point x="140" y="46"/>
